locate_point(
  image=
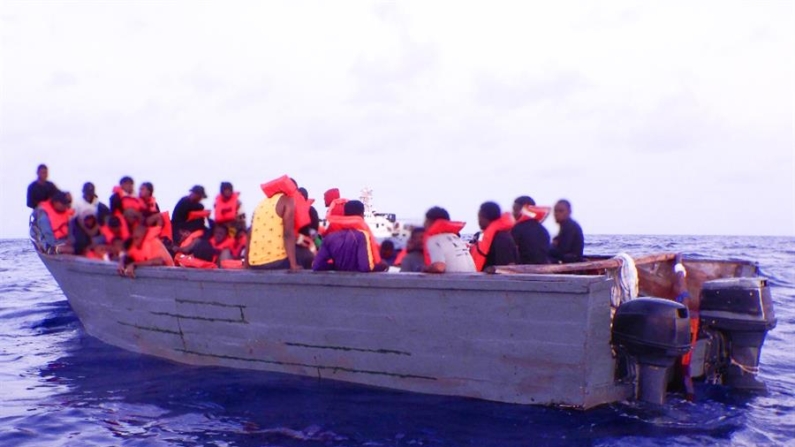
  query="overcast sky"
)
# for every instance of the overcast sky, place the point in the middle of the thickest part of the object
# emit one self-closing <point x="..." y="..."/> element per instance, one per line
<point x="651" y="117"/>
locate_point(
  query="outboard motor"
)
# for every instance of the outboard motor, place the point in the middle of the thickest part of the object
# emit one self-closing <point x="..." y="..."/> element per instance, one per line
<point x="735" y="314"/>
<point x="655" y="332"/>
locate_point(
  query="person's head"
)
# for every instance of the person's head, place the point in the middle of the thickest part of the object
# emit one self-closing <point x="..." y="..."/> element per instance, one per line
<point x="488" y="213"/>
<point x="521" y="202"/>
<point x="562" y="211"/>
<point x="89" y="192"/>
<point x="146" y="190"/>
<point x="354" y="208"/>
<point x="435" y="214"/>
<point x="197" y="194"/>
<point x="90" y="221"/>
<point x="61" y="202"/>
<point x="42" y="173"/>
<point x="304" y="193"/>
<point x="227" y="190"/>
<point x="415" y="240"/>
<point x="117" y="245"/>
<point x="220" y="232"/>
<point x="127" y="184"/>
<point x="387" y="249"/>
<point x="114" y="224"/>
<point x="330" y="196"/>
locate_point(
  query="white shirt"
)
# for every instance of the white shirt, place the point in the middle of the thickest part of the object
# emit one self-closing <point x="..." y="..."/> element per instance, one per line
<point x="452" y="251"/>
<point x="83" y="208"/>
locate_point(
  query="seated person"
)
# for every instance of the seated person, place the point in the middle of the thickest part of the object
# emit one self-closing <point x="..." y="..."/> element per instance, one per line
<point x="228" y="207"/>
<point x="494" y="245"/>
<point x="189" y="213"/>
<point x="52" y="224"/>
<point x="145" y="249"/>
<point x="84" y="232"/>
<point x="221" y="243"/>
<point x="414" y="258"/>
<point x="241" y="240"/>
<point x="123" y="197"/>
<point x="568" y="245"/>
<point x="115" y="228"/>
<point x="388" y="253"/>
<point x="445" y="252"/>
<point x="194" y="250"/>
<point x="532" y="239"/>
<point x="349" y="245"/>
<point x="150" y="210"/>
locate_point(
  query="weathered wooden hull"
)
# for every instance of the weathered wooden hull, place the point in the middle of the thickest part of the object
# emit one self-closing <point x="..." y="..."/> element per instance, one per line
<point x="525" y="339"/>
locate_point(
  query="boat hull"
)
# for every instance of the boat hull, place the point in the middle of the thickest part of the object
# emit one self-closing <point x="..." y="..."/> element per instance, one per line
<point x="527" y="339"/>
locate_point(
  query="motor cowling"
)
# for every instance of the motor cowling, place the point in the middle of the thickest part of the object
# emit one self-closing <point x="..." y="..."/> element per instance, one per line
<point x="655" y="332"/>
<point x="741" y="310"/>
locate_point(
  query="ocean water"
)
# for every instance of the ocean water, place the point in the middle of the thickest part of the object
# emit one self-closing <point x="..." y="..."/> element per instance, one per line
<point x="61" y="387"/>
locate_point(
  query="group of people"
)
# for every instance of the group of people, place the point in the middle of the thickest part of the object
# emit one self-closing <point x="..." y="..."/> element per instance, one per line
<point x="285" y="232"/>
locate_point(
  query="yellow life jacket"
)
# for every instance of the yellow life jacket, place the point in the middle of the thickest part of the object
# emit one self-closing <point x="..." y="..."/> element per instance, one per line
<point x="267" y="233"/>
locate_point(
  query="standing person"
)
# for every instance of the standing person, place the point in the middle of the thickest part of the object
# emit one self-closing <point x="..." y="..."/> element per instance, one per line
<point x="271" y="243"/>
<point x="349" y="244"/>
<point x="189" y="213"/>
<point x="227" y="207"/>
<point x="41" y="189"/>
<point x="445" y="252"/>
<point x="495" y="245"/>
<point x="569" y="244"/>
<point x="531" y="238"/>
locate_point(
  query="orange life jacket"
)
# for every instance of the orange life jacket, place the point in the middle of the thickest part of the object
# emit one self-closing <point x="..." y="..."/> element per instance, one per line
<point x="151" y="248"/>
<point x="440" y="226"/>
<point x="226" y="209"/>
<point x="531" y="212"/>
<point x="198" y="215"/>
<point x="287" y="187"/>
<point x="189" y="261"/>
<point x="167" y="231"/>
<point x="190" y="238"/>
<point x="227" y="244"/>
<point x="239" y="245"/>
<point x="337" y="208"/>
<point x="58" y="221"/>
<point x="128" y="201"/>
<point x="480" y="249"/>
<point x="108" y="233"/>
<point x="338" y="223"/>
<point x="232" y="264"/>
<point x="148" y="206"/>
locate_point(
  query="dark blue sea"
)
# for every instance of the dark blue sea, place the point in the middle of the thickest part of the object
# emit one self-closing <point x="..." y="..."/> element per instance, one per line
<point x="61" y="387"/>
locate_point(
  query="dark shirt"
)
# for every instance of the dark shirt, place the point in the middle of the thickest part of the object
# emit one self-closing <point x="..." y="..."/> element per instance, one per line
<point x="414" y="261"/>
<point x="532" y="240"/>
<point x="179" y="218"/>
<point x="570" y="243"/>
<point x="346" y="249"/>
<point x="39" y="192"/>
<point x="115" y="203"/>
<point x="502" y="251"/>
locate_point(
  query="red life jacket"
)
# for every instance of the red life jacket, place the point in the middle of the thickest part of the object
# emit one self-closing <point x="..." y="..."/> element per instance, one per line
<point x="480" y="249"/>
<point x="108" y="233"/>
<point x="226" y="209"/>
<point x="58" y="221"/>
<point x="532" y="212"/>
<point x="232" y="264"/>
<point x="440" y="226"/>
<point x="227" y="244"/>
<point x="337" y="223"/>
<point x="337" y="208"/>
<point x="191" y="237"/>
<point x="302" y="205"/>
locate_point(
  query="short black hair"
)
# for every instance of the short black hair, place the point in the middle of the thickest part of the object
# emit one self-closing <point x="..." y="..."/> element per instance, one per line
<point x="126" y="179"/>
<point x="60" y="197"/>
<point x="226" y="185"/>
<point x="149" y="186"/>
<point x="525" y="200"/>
<point x="388" y="244"/>
<point x="437" y="213"/>
<point x="41" y="166"/>
<point x="304" y="193"/>
<point x="565" y="203"/>
<point x="354" y="208"/>
<point x="490" y="210"/>
<point x="114" y="221"/>
<point x="417" y="230"/>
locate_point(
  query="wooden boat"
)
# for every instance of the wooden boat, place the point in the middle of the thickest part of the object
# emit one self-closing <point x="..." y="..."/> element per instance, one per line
<point x="526" y="337"/>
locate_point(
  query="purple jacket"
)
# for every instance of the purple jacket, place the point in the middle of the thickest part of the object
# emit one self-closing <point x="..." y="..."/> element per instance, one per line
<point x="344" y="250"/>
